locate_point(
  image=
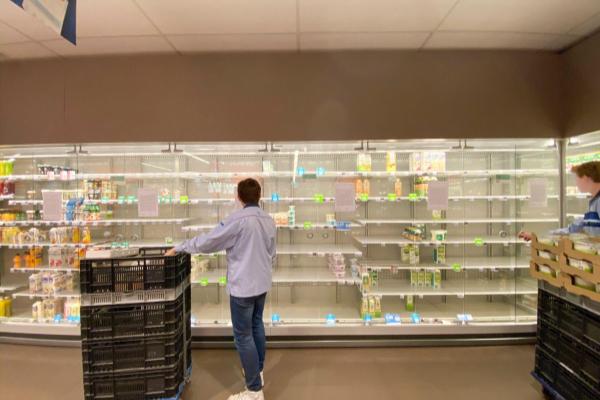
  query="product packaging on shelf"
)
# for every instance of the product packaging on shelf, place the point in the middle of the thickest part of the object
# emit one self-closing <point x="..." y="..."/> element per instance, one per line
<point x="390" y="161"/>
<point x="364" y="162"/>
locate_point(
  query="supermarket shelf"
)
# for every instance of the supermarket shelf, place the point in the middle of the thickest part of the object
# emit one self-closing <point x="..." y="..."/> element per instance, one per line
<point x="64" y="293"/>
<point x="287" y="275"/>
<point x="47" y="244"/>
<point x="207" y="227"/>
<point x="21" y="325"/>
<point x="397" y="240"/>
<point x="282" y="249"/>
<point x="9" y="289"/>
<point x="317" y="249"/>
<point x="456" y="221"/>
<point x="23" y="202"/>
<point x="282" y="174"/>
<point x="313" y="313"/>
<point x="467" y="263"/>
<point x="108" y="222"/>
<point x="457" y="288"/>
<point x="43" y="269"/>
<point x="7" y="197"/>
<point x="575" y="216"/>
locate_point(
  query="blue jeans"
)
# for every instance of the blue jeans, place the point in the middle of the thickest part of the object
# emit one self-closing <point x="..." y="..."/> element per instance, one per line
<point x="249" y="336"/>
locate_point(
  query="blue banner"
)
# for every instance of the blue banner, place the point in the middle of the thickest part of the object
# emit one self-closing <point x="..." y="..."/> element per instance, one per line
<point x="59" y="15"/>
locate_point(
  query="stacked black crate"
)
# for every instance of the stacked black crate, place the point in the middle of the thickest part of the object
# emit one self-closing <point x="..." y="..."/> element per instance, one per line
<point x="136" y="326"/>
<point x="567" y="359"/>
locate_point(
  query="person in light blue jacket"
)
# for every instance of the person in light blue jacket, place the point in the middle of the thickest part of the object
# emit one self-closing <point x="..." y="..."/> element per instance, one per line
<point x="249" y="237"/>
<point x="587" y="180"/>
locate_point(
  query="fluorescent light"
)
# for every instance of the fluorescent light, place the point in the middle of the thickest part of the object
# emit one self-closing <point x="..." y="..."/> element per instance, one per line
<point x="196" y="157"/>
<point x="156" y="166"/>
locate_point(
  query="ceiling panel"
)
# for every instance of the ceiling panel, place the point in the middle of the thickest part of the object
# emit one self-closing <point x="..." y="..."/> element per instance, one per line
<point x="25" y="23"/>
<point x="198" y="43"/>
<point x="111" y="18"/>
<point x="112" y="45"/>
<point x="372" y="15"/>
<point x="591" y="25"/>
<point x="495" y="40"/>
<point x="534" y="16"/>
<point x="25" y="50"/>
<point x="222" y="16"/>
<point x="358" y="41"/>
<point x="9" y="35"/>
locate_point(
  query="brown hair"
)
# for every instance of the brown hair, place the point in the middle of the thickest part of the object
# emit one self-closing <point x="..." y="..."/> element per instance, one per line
<point x="590" y="169"/>
<point x="249" y="191"/>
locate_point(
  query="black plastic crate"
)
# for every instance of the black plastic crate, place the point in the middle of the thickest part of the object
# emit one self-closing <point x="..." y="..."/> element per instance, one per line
<point x="149" y="271"/>
<point x="591" y="331"/>
<point x="548" y="306"/>
<point x="548" y="337"/>
<point x="546" y="366"/>
<point x="114" y="356"/>
<point x="567" y="386"/>
<point x="589" y="367"/>
<point x="159" y="384"/>
<point x="571" y="319"/>
<point x="131" y="320"/>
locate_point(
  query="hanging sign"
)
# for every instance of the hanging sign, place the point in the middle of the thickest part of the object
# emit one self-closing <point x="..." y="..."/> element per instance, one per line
<point x="58" y="15"/>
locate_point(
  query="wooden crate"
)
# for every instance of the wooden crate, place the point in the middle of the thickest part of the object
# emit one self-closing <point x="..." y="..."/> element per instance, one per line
<point x="537" y="261"/>
<point x="568" y="272"/>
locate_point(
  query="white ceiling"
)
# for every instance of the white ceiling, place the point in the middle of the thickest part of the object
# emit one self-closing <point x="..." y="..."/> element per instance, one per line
<point x="186" y="26"/>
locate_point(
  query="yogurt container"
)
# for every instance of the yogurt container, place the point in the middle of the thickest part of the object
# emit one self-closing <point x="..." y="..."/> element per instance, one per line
<point x="586" y="248"/>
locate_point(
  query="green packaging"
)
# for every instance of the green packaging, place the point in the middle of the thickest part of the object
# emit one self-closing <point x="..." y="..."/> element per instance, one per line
<point x="414" y="278"/>
<point x="437" y="279"/>
<point x="422" y="278"/>
<point x="428" y="278"/>
<point x="409" y="303"/>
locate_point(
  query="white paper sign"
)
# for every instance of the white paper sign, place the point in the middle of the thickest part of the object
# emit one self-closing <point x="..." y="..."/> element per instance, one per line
<point x="437" y="196"/>
<point x="345" y="197"/>
<point x="147" y="202"/>
<point x="53" y="205"/>
<point x="538" y="190"/>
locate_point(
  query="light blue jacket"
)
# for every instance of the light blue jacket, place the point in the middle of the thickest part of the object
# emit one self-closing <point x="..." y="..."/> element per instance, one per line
<point x="578" y="225"/>
<point x="249" y="237"/>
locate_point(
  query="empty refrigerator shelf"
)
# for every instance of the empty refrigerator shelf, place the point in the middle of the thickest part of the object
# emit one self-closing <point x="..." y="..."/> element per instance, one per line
<point x="456" y="221"/>
<point x="467" y="240"/>
<point x="285" y="275"/>
<point x="458" y="263"/>
<point x="459" y="288"/>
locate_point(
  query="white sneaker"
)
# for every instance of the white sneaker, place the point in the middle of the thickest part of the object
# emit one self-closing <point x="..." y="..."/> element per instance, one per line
<point x="248" y="395"/>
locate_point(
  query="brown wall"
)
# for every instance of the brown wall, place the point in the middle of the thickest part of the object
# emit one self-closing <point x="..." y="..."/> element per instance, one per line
<point x="582" y="87"/>
<point x="285" y="96"/>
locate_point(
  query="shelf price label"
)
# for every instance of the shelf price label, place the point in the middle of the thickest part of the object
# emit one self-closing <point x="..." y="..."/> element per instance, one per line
<point x="203" y="282"/>
<point x="413" y="197"/>
<point x="223" y="281"/>
<point x="478" y="242"/>
<point x="319" y="198"/>
<point x="364" y="197"/>
<point x="456" y="267"/>
<point x="308" y="225"/>
<point x="392" y="197"/>
<point x="330" y="319"/>
<point x="184" y="199"/>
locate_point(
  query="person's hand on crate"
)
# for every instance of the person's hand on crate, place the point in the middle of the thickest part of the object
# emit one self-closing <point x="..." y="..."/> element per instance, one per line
<point x="525" y="236"/>
<point x="171" y="253"/>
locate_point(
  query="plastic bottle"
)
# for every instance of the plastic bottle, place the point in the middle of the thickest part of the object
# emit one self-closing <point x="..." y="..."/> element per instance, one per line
<point x="17" y="261"/>
<point x="366" y="187"/>
<point x="359" y="187"/>
<point x="87" y="236"/>
<point x="8" y="307"/>
<point x="76" y="236"/>
<point x="398" y="187"/>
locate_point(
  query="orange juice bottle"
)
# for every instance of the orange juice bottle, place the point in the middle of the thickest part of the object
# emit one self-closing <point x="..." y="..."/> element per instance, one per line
<point x="398" y="187"/>
<point x="17" y="261"/>
<point x="367" y="187"/>
<point x="359" y="187"/>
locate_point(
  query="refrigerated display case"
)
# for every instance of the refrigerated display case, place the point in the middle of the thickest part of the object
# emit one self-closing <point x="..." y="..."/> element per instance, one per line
<point x="360" y="252"/>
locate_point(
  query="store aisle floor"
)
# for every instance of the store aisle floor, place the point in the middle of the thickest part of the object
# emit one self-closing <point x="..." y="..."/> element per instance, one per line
<point x="464" y="373"/>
